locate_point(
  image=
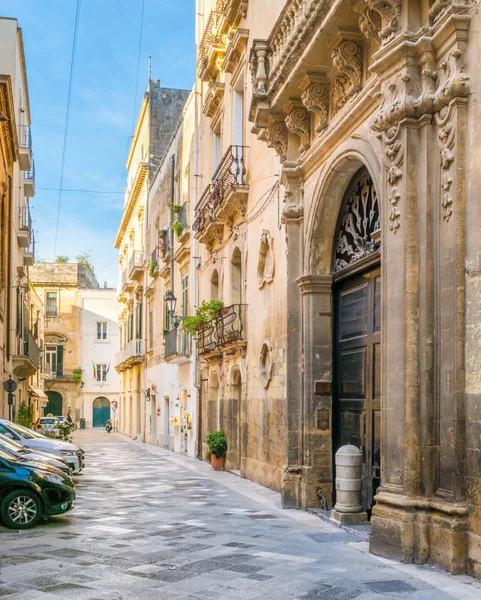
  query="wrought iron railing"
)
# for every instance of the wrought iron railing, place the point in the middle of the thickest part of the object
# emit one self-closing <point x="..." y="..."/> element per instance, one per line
<point x="135" y="261"/>
<point x="31" y="348"/>
<point x="25" y="137"/>
<point x="229" y="327"/>
<point x="63" y="374"/>
<point x="230" y="172"/>
<point x="211" y="36"/>
<point x="177" y="343"/>
<point x="31" y="174"/>
<point x="25" y="219"/>
<point x="30" y="251"/>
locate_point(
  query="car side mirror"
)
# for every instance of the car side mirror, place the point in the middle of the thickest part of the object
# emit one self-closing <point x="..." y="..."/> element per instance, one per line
<point x="9" y="435"/>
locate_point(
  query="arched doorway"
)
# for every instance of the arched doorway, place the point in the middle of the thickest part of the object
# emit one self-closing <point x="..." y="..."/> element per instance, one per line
<point x="100" y="412"/>
<point x="54" y="404"/>
<point x="234" y="420"/>
<point x="357" y="327"/>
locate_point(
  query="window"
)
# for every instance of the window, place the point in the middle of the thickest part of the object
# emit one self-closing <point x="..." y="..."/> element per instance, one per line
<point x="185" y="296"/>
<point x="151" y="329"/>
<point x="167" y="318"/>
<point x="52" y="305"/>
<point x="101" y="330"/>
<point x="217" y="147"/>
<point x="54" y="361"/>
<point x="100" y="372"/>
<point x="138" y="321"/>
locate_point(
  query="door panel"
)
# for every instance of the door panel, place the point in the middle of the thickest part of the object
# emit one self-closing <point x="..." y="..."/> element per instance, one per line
<point x="358" y="373"/>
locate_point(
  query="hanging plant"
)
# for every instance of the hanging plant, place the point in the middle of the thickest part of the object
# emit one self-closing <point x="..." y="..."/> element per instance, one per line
<point x="205" y="316"/>
<point x="77" y="375"/>
<point x="175" y="209"/>
<point x="152" y="268"/>
<point x="178" y="228"/>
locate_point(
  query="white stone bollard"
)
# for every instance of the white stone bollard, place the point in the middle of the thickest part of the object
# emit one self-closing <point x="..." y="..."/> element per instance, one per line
<point x="348" y="507"/>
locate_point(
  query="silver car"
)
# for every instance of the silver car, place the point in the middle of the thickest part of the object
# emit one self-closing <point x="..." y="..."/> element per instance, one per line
<point x="72" y="453"/>
<point x="23" y="452"/>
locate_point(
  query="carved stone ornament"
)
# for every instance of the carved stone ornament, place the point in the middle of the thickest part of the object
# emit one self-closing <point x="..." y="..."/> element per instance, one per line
<point x="265" y="363"/>
<point x="277" y="136"/>
<point x="258" y="65"/>
<point x="265" y="266"/>
<point x="359" y="219"/>
<point x="438" y="7"/>
<point x="370" y="25"/>
<point x="347" y="63"/>
<point x="389" y="11"/>
<point x="446" y="138"/>
<point x="315" y="97"/>
<point x="293" y="209"/>
<point x="298" y="122"/>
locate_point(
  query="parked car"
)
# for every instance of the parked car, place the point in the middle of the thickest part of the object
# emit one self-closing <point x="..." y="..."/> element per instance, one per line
<point x="31" y="439"/>
<point x="48" y="426"/>
<point x="20" y="451"/>
<point x="30" y="491"/>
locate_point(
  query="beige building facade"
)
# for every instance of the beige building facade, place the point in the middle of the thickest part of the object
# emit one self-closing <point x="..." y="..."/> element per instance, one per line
<point x="338" y="221"/>
<point x="20" y="329"/>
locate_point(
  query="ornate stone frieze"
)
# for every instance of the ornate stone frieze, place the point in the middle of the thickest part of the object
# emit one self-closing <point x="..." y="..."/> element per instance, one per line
<point x="277" y="136"/>
<point x="370" y="25"/>
<point x="298" y="122"/>
<point x="315" y="97"/>
<point x="213" y="98"/>
<point x="347" y="63"/>
<point x="265" y="266"/>
<point x="446" y="140"/>
<point x="389" y="11"/>
<point x="235" y="49"/>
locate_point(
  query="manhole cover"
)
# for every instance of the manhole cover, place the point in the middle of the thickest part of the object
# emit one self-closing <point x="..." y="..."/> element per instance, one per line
<point x="394" y="585"/>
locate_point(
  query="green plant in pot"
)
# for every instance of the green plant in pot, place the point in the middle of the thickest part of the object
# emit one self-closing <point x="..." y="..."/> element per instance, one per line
<point x="217" y="444"/>
<point x="178" y="229"/>
<point x="77" y="375"/>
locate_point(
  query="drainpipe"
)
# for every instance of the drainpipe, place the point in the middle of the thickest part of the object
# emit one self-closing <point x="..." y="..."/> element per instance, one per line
<point x="172" y="241"/>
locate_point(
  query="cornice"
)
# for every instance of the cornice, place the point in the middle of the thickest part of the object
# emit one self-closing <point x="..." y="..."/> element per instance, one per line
<point x="140" y="178"/>
<point x="315" y="284"/>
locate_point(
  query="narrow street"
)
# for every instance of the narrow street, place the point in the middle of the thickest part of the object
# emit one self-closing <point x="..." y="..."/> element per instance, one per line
<point x="152" y="525"/>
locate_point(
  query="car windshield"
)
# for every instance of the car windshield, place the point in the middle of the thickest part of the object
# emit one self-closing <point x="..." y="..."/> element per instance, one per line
<point x="48" y="421"/>
<point x="23" y="432"/>
<point x="60" y="418"/>
<point x="11" y="444"/>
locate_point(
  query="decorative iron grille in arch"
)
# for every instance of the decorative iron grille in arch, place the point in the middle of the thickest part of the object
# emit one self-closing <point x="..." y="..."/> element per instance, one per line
<point x="358" y="221"/>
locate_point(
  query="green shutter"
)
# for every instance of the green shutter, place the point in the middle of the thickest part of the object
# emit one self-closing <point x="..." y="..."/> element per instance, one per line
<point x="59" y="361"/>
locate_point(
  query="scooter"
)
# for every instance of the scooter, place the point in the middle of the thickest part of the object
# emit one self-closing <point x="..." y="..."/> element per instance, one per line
<point x="108" y="426"/>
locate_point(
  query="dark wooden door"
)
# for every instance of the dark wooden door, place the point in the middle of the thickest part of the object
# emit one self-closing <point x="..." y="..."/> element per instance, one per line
<point x="358" y="374"/>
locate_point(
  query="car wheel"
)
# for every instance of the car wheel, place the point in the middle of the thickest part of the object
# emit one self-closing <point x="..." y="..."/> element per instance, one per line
<point x="21" y="509"/>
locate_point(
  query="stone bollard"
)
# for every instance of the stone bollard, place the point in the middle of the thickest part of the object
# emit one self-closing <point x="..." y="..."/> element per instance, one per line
<point x="348" y="507"/>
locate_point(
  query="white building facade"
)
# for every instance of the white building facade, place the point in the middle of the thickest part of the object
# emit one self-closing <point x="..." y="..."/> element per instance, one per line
<point x="100" y="342"/>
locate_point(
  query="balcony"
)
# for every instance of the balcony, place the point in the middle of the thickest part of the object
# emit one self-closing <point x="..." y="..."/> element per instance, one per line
<point x="136" y="265"/>
<point x="127" y="285"/>
<point x="61" y="374"/>
<point x="25" y="147"/>
<point x="154" y="263"/>
<point x="29" y="181"/>
<point x="27" y="360"/>
<point x="132" y="354"/>
<point x="228" y="334"/>
<point x="224" y="197"/>
<point x="178" y="347"/>
<point x="29" y="253"/>
<point x="212" y="45"/>
<point x="24" y="231"/>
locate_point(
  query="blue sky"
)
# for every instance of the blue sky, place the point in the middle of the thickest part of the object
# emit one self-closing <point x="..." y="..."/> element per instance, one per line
<point x="101" y="110"/>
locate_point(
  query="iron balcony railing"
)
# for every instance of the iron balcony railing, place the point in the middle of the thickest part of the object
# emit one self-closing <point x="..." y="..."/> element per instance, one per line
<point x="136" y="261"/>
<point x="229" y="327"/>
<point x="63" y="374"/>
<point x="177" y="343"/>
<point x="31" y="173"/>
<point x="31" y="348"/>
<point x="230" y="172"/>
<point x="211" y="36"/>
<point x="25" y="218"/>
<point x="135" y="349"/>
<point x="25" y="137"/>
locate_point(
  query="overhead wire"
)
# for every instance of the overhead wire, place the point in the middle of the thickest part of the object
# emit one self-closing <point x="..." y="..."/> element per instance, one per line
<point x="67" y="116"/>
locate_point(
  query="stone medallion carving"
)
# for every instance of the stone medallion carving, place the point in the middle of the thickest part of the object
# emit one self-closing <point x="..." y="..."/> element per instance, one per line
<point x="359" y="220"/>
<point x="265" y="363"/>
<point x="265" y="266"/>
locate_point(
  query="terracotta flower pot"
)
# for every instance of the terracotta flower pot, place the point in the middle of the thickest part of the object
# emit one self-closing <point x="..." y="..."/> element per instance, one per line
<point x="217" y="463"/>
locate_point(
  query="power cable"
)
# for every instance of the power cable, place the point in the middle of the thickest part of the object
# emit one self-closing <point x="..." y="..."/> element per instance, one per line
<point x="65" y="135"/>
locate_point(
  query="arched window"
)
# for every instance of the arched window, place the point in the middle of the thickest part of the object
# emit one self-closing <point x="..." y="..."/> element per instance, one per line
<point x="359" y="220"/>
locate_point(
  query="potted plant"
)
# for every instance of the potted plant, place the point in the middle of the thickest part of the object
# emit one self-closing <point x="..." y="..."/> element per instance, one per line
<point x="205" y="315"/>
<point x="77" y="375"/>
<point x="178" y="228"/>
<point x="217" y="444"/>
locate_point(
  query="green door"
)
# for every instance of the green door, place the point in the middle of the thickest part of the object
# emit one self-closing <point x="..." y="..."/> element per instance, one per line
<point x="101" y="412"/>
<point x="54" y="405"/>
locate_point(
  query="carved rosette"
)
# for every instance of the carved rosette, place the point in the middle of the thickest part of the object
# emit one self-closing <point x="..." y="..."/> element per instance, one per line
<point x="347" y="63"/>
<point x="277" y="136"/>
<point x="315" y="97"/>
<point x="298" y="122"/>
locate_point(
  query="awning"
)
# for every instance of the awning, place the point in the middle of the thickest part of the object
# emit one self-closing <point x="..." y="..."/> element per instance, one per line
<point x="38" y="392"/>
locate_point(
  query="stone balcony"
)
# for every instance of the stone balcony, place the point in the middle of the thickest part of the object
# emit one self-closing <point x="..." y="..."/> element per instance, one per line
<point x="212" y="45"/>
<point x="228" y="333"/>
<point x="136" y="265"/>
<point x="132" y="354"/>
<point x="26" y="360"/>
<point x="24" y="231"/>
<point x="178" y="347"/>
<point x="223" y="198"/>
<point x="29" y="181"/>
<point x="25" y="147"/>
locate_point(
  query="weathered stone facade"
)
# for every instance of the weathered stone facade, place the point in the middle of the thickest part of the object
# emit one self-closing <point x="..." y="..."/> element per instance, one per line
<point x="364" y="103"/>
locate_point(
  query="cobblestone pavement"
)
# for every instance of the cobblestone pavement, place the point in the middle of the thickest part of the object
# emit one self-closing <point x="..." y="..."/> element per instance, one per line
<point x="152" y="525"/>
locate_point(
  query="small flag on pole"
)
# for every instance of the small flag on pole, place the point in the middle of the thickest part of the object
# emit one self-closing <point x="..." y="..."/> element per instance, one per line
<point x="95" y="370"/>
<point x="107" y="370"/>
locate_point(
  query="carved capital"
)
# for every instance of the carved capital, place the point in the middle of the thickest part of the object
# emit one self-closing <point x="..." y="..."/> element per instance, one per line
<point x="315" y="97"/>
<point x="370" y="25"/>
<point x="298" y="122"/>
<point x="389" y="11"/>
<point x="277" y="136"/>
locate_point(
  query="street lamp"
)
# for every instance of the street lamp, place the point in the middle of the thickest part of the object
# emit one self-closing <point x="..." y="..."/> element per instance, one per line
<point x="171" y="301"/>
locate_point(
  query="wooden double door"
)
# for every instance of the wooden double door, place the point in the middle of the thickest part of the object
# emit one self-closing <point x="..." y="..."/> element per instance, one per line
<point x="357" y="383"/>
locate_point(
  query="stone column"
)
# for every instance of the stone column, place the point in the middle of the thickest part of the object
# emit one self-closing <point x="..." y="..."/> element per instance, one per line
<point x="316" y="292"/>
